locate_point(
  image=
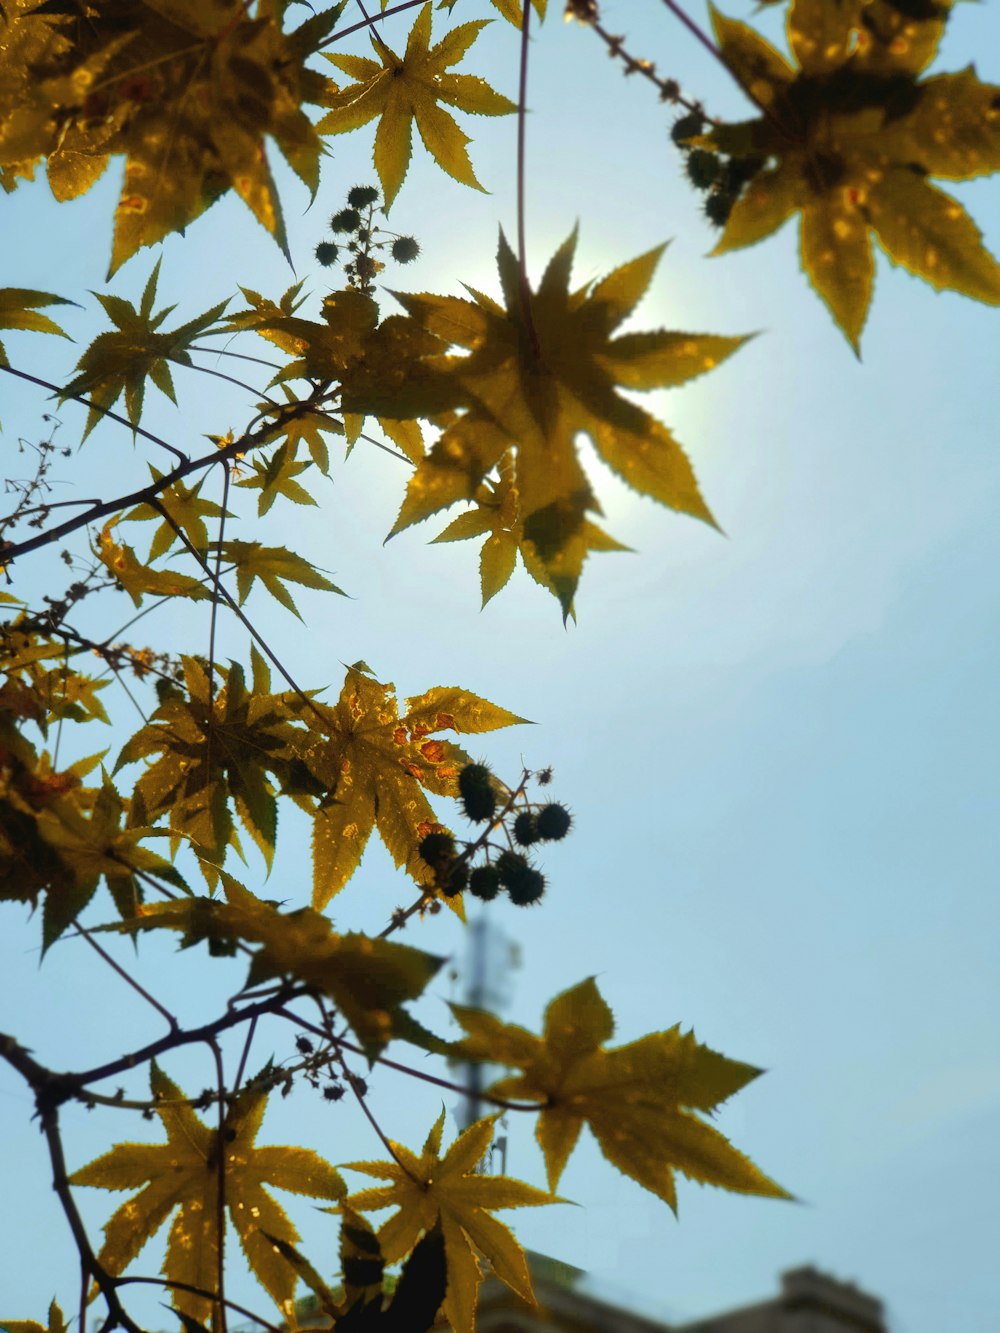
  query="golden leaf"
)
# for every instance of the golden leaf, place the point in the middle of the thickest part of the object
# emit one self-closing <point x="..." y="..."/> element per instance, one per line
<point x="639" y="1100"/>
<point x="850" y="139"/>
<point x="403" y="89"/>
<point x="428" y="1189"/>
<point x="185" y="1173"/>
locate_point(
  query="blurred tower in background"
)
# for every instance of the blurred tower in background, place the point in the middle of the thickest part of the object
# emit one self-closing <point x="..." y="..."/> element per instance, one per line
<point x="485" y="983"/>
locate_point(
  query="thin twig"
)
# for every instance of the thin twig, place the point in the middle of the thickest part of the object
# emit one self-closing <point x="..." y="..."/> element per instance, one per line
<point x="217" y="582"/>
<point x="104" y="411"/>
<point x="339" y="1041"/>
<point x="668" y="88"/>
<point x="199" y="1291"/>
<point x="524" y="286"/>
<point x="367" y="23"/>
<point x="147" y="494"/>
<point x="172" y="1022"/>
<point x="238" y="611"/>
<point x="49" y="1116"/>
<point x="220" y="1202"/>
<point x="701" y="36"/>
<point x="62" y="1087"/>
<point x="245" y="1055"/>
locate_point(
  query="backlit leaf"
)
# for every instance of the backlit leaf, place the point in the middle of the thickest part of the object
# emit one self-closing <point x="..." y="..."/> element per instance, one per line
<point x="367" y="979"/>
<point x="639" y="1100"/>
<point x="430" y="1190"/>
<point x="850" y="138"/>
<point x="377" y="765"/>
<point x="185" y="1174"/>
<point x="403" y="89"/>
<point x="124" y="358"/>
<point x="541" y="371"/>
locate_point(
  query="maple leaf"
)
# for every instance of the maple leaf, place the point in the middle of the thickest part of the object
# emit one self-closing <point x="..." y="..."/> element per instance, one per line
<point x="376" y="765"/>
<point x="431" y="1190"/>
<point x="539" y="386"/>
<point x="84" y="830"/>
<point x="214" y="747"/>
<point x="138" y="578"/>
<point x="188" y="511"/>
<point x="497" y="517"/>
<point x="276" y="476"/>
<point x="274" y="566"/>
<point x="851" y="139"/>
<point x="367" y="979"/>
<point x="56" y="1324"/>
<point x="188" y="93"/>
<point x="401" y="90"/>
<point x="640" y="1100"/>
<point x="50" y="693"/>
<point x="123" y="359"/>
<point x="185" y="1173"/>
<point x="19" y="310"/>
<point x="265" y="317"/>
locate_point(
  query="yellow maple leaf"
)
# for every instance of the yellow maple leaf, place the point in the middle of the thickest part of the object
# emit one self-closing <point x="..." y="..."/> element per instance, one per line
<point x="57" y="1323"/>
<point x="850" y="140"/>
<point x="408" y="88"/>
<point x="497" y="517"/>
<point x="539" y="383"/>
<point x="377" y="764"/>
<point x="639" y="1100"/>
<point x="184" y="1174"/>
<point x="428" y="1189"/>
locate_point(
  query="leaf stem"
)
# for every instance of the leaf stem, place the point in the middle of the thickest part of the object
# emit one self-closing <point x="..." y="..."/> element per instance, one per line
<point x="220" y="1204"/>
<point x="701" y="36"/>
<point x="524" y="286"/>
<point x="104" y="411"/>
<point x="200" y="1291"/>
<point x="367" y="23"/>
<point x="115" y="966"/>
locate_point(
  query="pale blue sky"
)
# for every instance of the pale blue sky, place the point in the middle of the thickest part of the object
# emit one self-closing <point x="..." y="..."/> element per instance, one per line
<point x="779" y="745"/>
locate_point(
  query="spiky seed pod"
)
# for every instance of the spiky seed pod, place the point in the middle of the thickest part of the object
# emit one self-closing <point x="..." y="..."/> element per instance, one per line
<point x="702" y="168"/>
<point x="437" y="849"/>
<point x="348" y="219"/>
<point x="484" y="882"/>
<point x="688" y="126"/>
<point x="527" y="888"/>
<point x="526" y="828"/>
<point x="718" y="206"/>
<point x="479" y="800"/>
<point x="554" y="822"/>
<point x="362" y="195"/>
<point x="326" y="253"/>
<point x="738" y="171"/>
<point x="405" y="249"/>
<point x="509" y="865"/>
<point x="454" y="879"/>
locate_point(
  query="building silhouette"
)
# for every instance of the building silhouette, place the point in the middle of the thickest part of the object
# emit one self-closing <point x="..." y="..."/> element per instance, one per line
<point x="808" y="1301"/>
